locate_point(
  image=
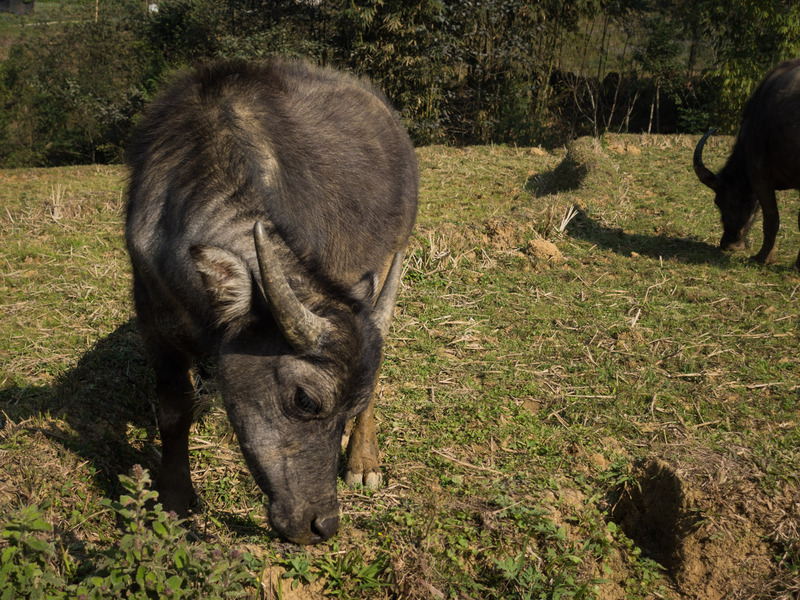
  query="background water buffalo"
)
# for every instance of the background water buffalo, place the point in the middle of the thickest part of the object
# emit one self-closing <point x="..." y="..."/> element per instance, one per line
<point x="765" y="158"/>
<point x="269" y="206"/>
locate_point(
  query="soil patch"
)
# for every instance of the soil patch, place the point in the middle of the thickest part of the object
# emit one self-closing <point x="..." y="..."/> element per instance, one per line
<point x="506" y="235"/>
<point x="699" y="515"/>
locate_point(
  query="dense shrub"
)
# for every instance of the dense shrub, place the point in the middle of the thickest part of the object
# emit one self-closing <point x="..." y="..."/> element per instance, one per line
<point x="71" y="94"/>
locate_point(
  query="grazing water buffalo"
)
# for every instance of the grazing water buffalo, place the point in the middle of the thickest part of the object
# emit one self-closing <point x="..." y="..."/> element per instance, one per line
<point x="765" y="158"/>
<point x="268" y="209"/>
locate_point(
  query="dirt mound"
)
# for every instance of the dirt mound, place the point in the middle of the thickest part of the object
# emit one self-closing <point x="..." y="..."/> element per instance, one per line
<point x="509" y="236"/>
<point x="501" y="234"/>
<point x="497" y="235"/>
<point x="543" y="250"/>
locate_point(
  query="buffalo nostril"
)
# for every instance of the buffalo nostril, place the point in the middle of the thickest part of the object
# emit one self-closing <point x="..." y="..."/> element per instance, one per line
<point x="325" y="527"/>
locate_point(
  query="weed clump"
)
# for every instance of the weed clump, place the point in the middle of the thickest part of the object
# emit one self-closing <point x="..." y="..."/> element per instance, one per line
<point x="152" y="559"/>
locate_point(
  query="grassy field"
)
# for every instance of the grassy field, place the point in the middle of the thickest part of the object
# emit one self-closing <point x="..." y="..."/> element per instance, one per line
<point x="581" y="398"/>
<point x="45" y="13"/>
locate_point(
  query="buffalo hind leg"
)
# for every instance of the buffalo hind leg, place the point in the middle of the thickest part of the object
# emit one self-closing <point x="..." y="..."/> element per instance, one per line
<point x="771" y="222"/>
<point x="363" y="462"/>
<point x="176" y="405"/>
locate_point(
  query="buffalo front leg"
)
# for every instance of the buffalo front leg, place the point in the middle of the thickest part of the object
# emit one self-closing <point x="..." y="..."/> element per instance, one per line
<point x="769" y="214"/>
<point x="176" y="401"/>
<point x="363" y="462"/>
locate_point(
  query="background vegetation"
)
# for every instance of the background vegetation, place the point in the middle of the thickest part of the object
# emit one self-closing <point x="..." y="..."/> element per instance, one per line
<point x="582" y="397"/>
<point x="76" y="74"/>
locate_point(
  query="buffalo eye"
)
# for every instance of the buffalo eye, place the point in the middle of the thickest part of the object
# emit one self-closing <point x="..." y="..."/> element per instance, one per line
<point x="305" y="404"/>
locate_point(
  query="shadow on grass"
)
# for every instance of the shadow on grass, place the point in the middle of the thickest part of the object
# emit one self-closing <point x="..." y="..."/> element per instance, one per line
<point x="568" y="175"/>
<point x="102" y="400"/>
<point x="661" y="246"/>
<point x="103" y="411"/>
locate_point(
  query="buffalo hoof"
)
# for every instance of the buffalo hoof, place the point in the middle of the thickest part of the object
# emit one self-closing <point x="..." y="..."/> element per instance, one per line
<point x="179" y="502"/>
<point x="764" y="259"/>
<point x="370" y="479"/>
<point x="734" y="246"/>
<point x="363" y="461"/>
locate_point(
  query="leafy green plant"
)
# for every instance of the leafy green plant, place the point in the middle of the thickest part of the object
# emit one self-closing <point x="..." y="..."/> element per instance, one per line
<point x="152" y="559"/>
<point x="549" y="568"/>
<point x="346" y="574"/>
<point x="26" y="564"/>
<point x="298" y="569"/>
<point x="646" y="574"/>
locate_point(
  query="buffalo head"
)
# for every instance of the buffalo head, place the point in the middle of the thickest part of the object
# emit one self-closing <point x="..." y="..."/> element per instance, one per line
<point x="733" y="196"/>
<point x="289" y="397"/>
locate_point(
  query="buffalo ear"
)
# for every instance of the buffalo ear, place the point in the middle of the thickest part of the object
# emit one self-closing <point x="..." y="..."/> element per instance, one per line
<point x="227" y="282"/>
<point x="366" y="289"/>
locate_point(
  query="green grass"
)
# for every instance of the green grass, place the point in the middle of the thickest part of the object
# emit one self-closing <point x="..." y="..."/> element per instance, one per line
<point x="622" y="423"/>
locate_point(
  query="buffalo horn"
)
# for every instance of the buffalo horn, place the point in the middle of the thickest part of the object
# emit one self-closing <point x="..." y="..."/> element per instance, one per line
<point x="703" y="173"/>
<point x="384" y="305"/>
<point x="301" y="327"/>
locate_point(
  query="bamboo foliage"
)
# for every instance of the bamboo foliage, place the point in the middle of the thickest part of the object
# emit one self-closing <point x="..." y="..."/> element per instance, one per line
<point x="472" y="71"/>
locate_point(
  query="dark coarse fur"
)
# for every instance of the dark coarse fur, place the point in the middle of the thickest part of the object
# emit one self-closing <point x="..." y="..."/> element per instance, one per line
<point x="321" y="160"/>
<point x="765" y="158"/>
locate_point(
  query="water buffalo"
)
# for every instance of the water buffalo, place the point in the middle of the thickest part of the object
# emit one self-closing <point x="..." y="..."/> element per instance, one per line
<point x="268" y="209"/>
<point x="765" y="158"/>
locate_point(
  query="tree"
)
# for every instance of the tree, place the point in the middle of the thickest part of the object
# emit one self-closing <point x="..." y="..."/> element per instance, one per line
<point x="404" y="48"/>
<point x="749" y="37"/>
<point x="658" y="58"/>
